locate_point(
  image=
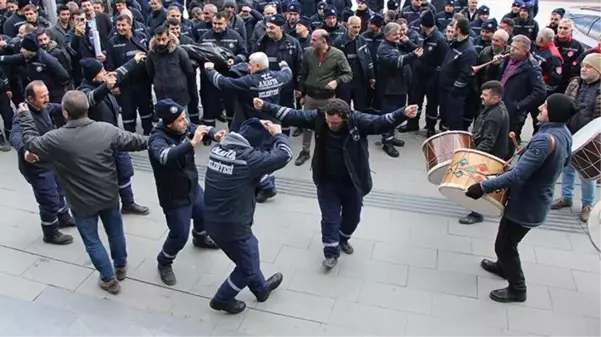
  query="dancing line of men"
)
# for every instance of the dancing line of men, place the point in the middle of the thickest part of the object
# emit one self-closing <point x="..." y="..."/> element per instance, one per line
<point x="383" y="68"/>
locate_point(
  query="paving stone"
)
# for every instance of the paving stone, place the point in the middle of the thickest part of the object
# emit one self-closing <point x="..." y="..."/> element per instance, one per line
<point x="19" y="288"/>
<point x="303" y="259"/>
<point x="14" y="217"/>
<point x="144" y="226"/>
<point x="289" y="236"/>
<point x="544" y="238"/>
<point x="404" y="254"/>
<point x="15" y="262"/>
<point x="19" y="237"/>
<point x="187" y="275"/>
<point x="333" y="330"/>
<point x="302" y="221"/>
<point x="443" y="281"/>
<point x="24" y="318"/>
<point x="576" y="302"/>
<point x="198" y="308"/>
<point x="298" y="305"/>
<point x="331" y="286"/>
<point x="375" y="320"/>
<point x="70" y="253"/>
<point x="484" y="230"/>
<point x="223" y="332"/>
<point x="548" y="276"/>
<point x="462" y="263"/>
<point x="375" y="271"/>
<point x="468" y="310"/>
<point x="421" y="222"/>
<point x="56" y="273"/>
<point x="363" y="248"/>
<point x="442" y="241"/>
<point x="485" y="247"/>
<point x="420" y="325"/>
<point x="394" y="297"/>
<point x="593" y="326"/>
<point x="544" y="322"/>
<point x="133" y="293"/>
<point x="565" y="259"/>
<point x="538" y="296"/>
<point x="382" y="231"/>
<point x="268" y="324"/>
<point x="581" y="243"/>
<point x="269" y="250"/>
<point x="587" y="282"/>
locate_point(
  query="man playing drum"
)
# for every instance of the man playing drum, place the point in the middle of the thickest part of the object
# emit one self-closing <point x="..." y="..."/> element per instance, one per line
<point x="531" y="182"/>
<point x="585" y="90"/>
<point x="490" y="132"/>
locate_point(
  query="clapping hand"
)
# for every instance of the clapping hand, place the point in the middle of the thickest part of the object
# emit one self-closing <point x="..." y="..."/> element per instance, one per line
<point x="199" y="134"/>
<point x="209" y="65"/>
<point x="257" y="103"/>
<point x="22" y="108"/>
<point x="272" y="127"/>
<point x="411" y="111"/>
<point x="219" y="135"/>
<point x="140" y="57"/>
<point x="419" y="52"/>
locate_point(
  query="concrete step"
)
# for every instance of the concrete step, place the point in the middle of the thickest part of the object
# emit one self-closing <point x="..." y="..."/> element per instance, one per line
<point x="60" y="312"/>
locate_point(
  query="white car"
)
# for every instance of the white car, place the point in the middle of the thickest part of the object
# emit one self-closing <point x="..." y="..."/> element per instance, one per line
<point x="587" y="24"/>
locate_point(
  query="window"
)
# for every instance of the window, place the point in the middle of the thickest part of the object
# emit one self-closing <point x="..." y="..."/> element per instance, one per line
<point x="595" y="32"/>
<point x="583" y="22"/>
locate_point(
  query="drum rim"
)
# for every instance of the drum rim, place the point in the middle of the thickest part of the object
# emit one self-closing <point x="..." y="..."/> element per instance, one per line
<point x="486" y="197"/>
<point x="596" y="120"/>
<point x="443" y="133"/>
<point x="437" y="167"/>
<point x="480" y="152"/>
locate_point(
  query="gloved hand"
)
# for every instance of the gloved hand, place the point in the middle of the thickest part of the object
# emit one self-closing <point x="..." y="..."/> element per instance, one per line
<point x="475" y="191"/>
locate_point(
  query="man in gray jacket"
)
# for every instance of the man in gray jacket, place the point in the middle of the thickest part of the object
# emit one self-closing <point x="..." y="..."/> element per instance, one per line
<point x="83" y="156"/>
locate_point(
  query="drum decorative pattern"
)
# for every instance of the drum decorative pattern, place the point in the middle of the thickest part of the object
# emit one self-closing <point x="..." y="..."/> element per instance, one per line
<point x="478" y="172"/>
<point x="587" y="160"/>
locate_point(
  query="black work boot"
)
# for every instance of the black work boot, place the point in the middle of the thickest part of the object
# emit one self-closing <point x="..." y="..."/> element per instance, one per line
<point x="264" y="195"/>
<point x="66" y="223"/>
<point x="492" y="267"/>
<point x="390" y="150"/>
<point x="233" y="307"/>
<point x="346" y="248"/>
<point x="121" y="273"/>
<point x="204" y="241"/>
<point x="58" y="238"/>
<point x="430" y="132"/>
<point x="135" y="209"/>
<point x="507" y="295"/>
<point x="167" y="275"/>
<point x="330" y="262"/>
<point x="272" y="284"/>
<point x="303" y="156"/>
<point x="222" y="117"/>
<point x="472" y="218"/>
<point x="397" y="142"/>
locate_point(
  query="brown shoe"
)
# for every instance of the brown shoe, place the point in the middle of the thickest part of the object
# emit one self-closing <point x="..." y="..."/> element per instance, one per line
<point x="585" y="213"/>
<point x="112" y="286"/>
<point x="121" y="273"/>
<point x="561" y="203"/>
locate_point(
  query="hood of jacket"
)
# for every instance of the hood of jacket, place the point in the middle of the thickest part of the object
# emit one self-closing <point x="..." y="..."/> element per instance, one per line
<point x="234" y="140"/>
<point x="171" y="45"/>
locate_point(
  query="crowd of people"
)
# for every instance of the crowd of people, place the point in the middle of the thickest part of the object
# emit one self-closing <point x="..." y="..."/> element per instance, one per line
<point x="81" y="83"/>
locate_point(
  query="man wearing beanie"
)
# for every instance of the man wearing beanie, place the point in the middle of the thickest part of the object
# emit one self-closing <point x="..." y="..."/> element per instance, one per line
<point x="103" y="107"/>
<point x="487" y="29"/>
<point x="584" y="89"/>
<point x="234" y="168"/>
<point x="234" y="20"/>
<point x="39" y="65"/>
<point x="483" y="14"/>
<point x="292" y="16"/>
<point x="303" y="33"/>
<point x="426" y="75"/>
<point x="364" y="13"/>
<point x="556" y="15"/>
<point x="444" y="18"/>
<point x="224" y="37"/>
<point x="340" y="163"/>
<point x="412" y="11"/>
<point x="318" y="18"/>
<point x="171" y="153"/>
<point x="525" y="24"/>
<point x="331" y="25"/>
<point x="532" y="183"/>
<point x="12" y="24"/>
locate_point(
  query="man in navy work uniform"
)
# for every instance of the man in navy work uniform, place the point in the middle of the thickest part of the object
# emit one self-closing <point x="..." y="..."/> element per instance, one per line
<point x="340" y="142"/>
<point x="263" y="83"/>
<point x="234" y="168"/>
<point x="532" y="182"/>
<point x="171" y="149"/>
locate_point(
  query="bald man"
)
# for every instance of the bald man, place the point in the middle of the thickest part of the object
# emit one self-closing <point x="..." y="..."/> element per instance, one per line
<point x="498" y="46"/>
<point x="354" y="47"/>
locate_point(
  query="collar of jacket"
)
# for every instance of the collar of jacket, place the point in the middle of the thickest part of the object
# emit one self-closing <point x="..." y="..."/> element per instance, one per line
<point x="551" y="125"/>
<point x="33" y="109"/>
<point x="75" y="123"/>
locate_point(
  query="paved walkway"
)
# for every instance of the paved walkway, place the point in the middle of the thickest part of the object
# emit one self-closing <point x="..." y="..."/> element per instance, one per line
<point x="412" y="273"/>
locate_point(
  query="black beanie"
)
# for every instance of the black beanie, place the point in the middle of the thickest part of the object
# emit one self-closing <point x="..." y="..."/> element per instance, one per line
<point x="560" y="108"/>
<point x="427" y="19"/>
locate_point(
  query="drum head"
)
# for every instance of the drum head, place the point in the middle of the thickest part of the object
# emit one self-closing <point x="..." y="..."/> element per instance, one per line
<point x="444" y="134"/>
<point x="584" y="135"/>
<point x="437" y="173"/>
<point x="484" y="205"/>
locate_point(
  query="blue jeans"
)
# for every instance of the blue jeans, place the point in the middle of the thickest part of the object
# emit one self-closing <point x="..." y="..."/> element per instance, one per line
<point x="113" y="225"/>
<point x="568" y="181"/>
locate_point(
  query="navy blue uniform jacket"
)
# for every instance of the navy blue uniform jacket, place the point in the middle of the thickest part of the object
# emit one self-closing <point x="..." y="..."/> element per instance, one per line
<point x="234" y="170"/>
<point x="358" y="125"/>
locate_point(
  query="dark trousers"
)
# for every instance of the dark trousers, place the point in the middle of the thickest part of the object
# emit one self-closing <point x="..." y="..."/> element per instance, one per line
<point x="340" y="205"/>
<point x="133" y="99"/>
<point x="7" y="114"/>
<point x="178" y="221"/>
<point x="452" y="109"/>
<point x="287" y="100"/>
<point x="389" y="104"/>
<point x="50" y="198"/>
<point x="425" y="85"/>
<point x="355" y="91"/>
<point x="125" y="171"/>
<point x="245" y="254"/>
<point x="506" y="247"/>
<point x="87" y="225"/>
<point x="212" y="99"/>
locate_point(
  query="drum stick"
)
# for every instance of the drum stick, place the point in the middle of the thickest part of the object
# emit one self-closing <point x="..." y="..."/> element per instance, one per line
<point x="514" y="140"/>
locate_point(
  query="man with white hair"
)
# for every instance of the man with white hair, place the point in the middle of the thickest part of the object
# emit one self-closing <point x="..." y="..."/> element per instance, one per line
<point x="570" y="50"/>
<point x="498" y="46"/>
<point x="550" y="61"/>
<point x="262" y="83"/>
